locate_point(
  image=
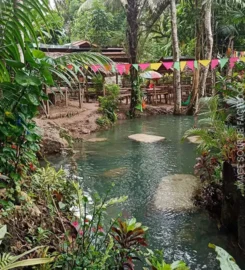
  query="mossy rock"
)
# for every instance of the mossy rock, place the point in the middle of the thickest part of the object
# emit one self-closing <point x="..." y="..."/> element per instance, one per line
<point x="176" y="192"/>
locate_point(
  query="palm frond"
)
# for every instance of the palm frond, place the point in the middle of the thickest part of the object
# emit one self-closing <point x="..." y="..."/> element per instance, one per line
<point x="17" y="19"/>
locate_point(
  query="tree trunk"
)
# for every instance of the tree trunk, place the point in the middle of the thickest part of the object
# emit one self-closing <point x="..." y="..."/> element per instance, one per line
<point x="229" y="69"/>
<point x="176" y="58"/>
<point x="132" y="11"/>
<point x="196" y="75"/>
<point x="209" y="44"/>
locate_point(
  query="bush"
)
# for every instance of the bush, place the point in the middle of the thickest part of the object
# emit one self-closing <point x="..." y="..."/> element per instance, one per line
<point x="109" y="103"/>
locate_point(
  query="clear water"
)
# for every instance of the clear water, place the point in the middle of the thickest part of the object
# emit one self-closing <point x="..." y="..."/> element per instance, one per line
<point x="182" y="235"/>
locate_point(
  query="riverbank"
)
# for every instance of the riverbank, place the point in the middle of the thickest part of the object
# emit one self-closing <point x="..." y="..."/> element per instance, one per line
<point x="71" y="123"/>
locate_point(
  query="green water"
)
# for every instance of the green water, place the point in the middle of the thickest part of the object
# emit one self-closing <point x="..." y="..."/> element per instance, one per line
<point x="182" y="235"/>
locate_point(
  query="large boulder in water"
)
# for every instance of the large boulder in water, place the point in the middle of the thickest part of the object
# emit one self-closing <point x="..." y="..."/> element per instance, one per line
<point x="145" y="138"/>
<point x="175" y="192"/>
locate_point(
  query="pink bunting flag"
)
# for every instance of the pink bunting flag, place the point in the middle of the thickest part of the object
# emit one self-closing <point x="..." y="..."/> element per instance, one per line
<point x="127" y="68"/>
<point x="120" y="68"/>
<point x="168" y="65"/>
<point x="95" y="68"/>
<point x="214" y="63"/>
<point x="190" y="64"/>
<point x="233" y="60"/>
<point x="144" y="66"/>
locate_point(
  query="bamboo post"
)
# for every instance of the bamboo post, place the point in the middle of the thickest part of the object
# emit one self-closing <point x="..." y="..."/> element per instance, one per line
<point x="47" y="101"/>
<point x="155" y="94"/>
<point x="79" y="97"/>
<point x="82" y="98"/>
<point x="104" y="86"/>
<point x="66" y="97"/>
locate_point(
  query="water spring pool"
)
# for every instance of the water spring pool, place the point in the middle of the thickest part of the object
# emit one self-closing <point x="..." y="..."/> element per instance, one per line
<point x="137" y="169"/>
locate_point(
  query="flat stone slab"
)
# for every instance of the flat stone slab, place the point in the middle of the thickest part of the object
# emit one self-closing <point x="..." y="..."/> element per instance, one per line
<point x="175" y="192"/>
<point x="146" y="138"/>
<point x="115" y="172"/>
<point x="194" y="139"/>
<point x="97" y="140"/>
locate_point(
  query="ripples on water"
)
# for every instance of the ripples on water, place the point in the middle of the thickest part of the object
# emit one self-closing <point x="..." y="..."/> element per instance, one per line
<point x="183" y="236"/>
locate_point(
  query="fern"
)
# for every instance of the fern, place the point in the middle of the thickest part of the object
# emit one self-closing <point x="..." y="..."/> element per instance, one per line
<point x="6" y="259"/>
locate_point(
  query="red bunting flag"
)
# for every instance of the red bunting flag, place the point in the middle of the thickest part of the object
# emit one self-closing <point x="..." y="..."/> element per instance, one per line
<point x="190" y="64"/>
<point x="233" y="60"/>
<point x="168" y="65"/>
<point x="120" y="68"/>
<point x="144" y="66"/>
<point x="214" y="63"/>
<point x="127" y="68"/>
<point x="95" y="68"/>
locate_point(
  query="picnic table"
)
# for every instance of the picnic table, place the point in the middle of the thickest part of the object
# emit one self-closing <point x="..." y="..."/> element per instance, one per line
<point x="51" y="93"/>
<point x="125" y="94"/>
<point x="152" y="94"/>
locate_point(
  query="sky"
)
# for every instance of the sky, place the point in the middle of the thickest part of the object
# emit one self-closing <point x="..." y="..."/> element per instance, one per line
<point x="51" y="3"/>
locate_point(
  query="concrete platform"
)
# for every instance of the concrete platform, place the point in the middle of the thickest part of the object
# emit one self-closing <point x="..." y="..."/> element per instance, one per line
<point x="146" y="138"/>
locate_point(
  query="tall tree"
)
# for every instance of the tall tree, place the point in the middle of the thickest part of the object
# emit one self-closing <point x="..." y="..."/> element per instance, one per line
<point x="196" y="76"/>
<point x="176" y="58"/>
<point x="135" y="11"/>
<point x="208" y="43"/>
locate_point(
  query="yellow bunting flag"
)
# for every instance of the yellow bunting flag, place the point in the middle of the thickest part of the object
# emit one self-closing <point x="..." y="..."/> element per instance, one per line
<point x="182" y="65"/>
<point x="204" y="62"/>
<point x="155" y="66"/>
<point x="242" y="59"/>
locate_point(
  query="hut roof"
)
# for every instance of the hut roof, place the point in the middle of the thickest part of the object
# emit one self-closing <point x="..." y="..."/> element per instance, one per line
<point x="116" y="54"/>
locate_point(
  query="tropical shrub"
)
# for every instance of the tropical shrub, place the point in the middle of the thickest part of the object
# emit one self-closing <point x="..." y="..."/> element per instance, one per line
<point x="128" y="237"/>
<point x="156" y="262"/>
<point x="109" y="103"/>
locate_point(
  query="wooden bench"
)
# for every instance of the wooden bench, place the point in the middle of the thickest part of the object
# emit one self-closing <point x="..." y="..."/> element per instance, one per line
<point x="126" y="96"/>
<point x="155" y="94"/>
<point x="51" y="93"/>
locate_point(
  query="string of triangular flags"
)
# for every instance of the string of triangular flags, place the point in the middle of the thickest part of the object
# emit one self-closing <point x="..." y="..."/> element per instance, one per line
<point x="180" y="65"/>
<point x="238" y="53"/>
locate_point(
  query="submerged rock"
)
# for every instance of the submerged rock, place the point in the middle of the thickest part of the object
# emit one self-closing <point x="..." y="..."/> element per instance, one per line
<point x="145" y="138"/>
<point x="175" y="192"/>
<point x="97" y="140"/>
<point x="115" y="172"/>
<point x="194" y="139"/>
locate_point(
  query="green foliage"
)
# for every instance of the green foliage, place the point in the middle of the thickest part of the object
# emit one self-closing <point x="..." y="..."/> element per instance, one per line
<point x="109" y="104"/>
<point x="128" y="236"/>
<point x="52" y="30"/>
<point x="55" y="188"/>
<point x="99" y="26"/>
<point x="103" y="121"/>
<point x="227" y="262"/>
<point x="92" y="246"/>
<point x="156" y="261"/>
<point x="7" y="261"/>
<point x="98" y="82"/>
<point x="215" y="135"/>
